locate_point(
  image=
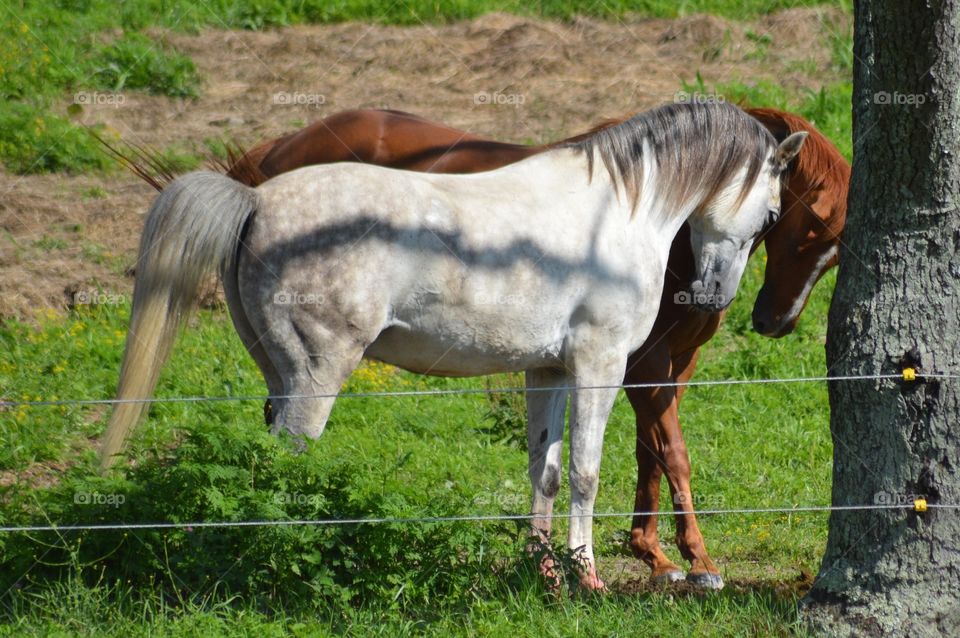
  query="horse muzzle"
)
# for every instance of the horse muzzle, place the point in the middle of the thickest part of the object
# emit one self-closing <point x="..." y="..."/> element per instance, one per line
<point x="709" y="297"/>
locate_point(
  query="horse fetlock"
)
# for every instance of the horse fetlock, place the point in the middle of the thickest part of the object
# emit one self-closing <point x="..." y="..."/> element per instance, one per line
<point x="644" y="546"/>
<point x="693" y="549"/>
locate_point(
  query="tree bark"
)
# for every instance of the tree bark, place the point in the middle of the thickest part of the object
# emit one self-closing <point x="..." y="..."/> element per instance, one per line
<point x="896" y="571"/>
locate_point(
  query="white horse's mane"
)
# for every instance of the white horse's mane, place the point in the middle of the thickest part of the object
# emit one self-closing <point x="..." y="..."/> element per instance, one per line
<point x="698" y="148"/>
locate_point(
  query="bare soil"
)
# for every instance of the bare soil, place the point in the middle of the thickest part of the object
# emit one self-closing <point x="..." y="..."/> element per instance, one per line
<point x="510" y="78"/>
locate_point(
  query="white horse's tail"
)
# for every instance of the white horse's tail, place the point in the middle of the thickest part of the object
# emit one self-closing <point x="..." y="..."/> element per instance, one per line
<point x="191" y="231"/>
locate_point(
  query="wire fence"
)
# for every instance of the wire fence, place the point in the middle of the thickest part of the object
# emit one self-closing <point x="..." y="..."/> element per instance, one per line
<point x="919" y="505"/>
<point x="908" y="375"/>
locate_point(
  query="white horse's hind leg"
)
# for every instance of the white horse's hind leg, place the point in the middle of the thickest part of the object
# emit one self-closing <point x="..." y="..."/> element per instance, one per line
<point x="589" y="411"/>
<point x="545" y="411"/>
<point x="311" y="360"/>
<point x="248" y="335"/>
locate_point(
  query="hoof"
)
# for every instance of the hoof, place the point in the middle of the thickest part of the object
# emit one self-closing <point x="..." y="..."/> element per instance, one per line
<point x="705" y="581"/>
<point x="591" y="583"/>
<point x="668" y="578"/>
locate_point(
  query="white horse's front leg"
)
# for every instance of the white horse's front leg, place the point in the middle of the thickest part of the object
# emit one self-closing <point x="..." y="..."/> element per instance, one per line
<point x="589" y="411"/>
<point x="545" y="411"/>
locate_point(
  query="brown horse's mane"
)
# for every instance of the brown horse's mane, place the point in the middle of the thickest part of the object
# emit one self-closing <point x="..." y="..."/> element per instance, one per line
<point x="820" y="162"/>
<point x="600" y="126"/>
<point x="244" y="166"/>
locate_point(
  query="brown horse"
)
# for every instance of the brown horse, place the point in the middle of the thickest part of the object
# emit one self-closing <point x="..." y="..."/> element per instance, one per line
<point x="801" y="247"/>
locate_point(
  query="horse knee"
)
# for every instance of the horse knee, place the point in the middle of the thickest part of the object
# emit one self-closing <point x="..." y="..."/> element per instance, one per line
<point x="585" y="483"/>
<point x="548" y="482"/>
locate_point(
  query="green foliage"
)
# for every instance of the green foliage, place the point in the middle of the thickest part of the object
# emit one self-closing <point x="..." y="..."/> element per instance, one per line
<point x="136" y="62"/>
<point x="216" y="147"/>
<point x="49" y="52"/>
<point x="47" y="55"/>
<point x="221" y="472"/>
<point x="34" y="142"/>
<point x="506" y="416"/>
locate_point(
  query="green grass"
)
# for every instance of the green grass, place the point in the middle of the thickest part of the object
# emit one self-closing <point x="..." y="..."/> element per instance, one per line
<point x="751" y="446"/>
<point x="760" y="613"/>
<point x="134" y="62"/>
<point x="32" y="140"/>
<point x="48" y="56"/>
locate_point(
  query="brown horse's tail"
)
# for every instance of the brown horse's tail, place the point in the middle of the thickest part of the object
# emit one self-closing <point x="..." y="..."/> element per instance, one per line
<point x="192" y="231"/>
<point x="152" y="167"/>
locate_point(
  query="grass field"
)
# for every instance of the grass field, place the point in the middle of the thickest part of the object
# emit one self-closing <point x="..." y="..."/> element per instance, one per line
<point x="751" y="446"/>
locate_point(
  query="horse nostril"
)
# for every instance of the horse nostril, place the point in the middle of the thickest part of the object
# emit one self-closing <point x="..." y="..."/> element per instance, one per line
<point x="761" y="321"/>
<point x="760" y="325"/>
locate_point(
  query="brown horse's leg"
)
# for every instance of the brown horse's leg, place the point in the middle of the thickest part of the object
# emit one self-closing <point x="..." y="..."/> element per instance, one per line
<point x="703" y="572"/>
<point x="651" y="366"/>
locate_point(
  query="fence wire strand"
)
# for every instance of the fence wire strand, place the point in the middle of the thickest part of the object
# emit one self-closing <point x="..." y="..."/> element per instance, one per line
<point x="920" y="377"/>
<point x="421" y="520"/>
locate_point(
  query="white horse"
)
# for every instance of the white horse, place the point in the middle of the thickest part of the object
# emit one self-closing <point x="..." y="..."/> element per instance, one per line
<point x="553" y="265"/>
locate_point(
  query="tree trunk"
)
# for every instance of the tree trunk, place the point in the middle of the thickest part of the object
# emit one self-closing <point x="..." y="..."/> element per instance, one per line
<point x="897" y="571"/>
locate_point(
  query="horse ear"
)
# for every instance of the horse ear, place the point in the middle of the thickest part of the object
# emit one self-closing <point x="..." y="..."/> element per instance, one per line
<point x="789" y="148"/>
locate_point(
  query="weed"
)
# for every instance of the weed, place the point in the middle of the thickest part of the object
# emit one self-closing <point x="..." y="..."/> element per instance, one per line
<point x="506" y="416"/>
<point x="31" y="142"/>
<point x="137" y="62"/>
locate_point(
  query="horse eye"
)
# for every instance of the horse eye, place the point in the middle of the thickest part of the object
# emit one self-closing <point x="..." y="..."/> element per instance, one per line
<point x="772" y="214"/>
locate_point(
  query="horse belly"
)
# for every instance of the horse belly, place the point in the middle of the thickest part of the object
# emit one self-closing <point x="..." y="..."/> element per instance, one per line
<point x="462" y="350"/>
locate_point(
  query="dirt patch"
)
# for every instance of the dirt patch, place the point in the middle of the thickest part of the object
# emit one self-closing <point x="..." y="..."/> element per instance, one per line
<point x="37" y="476"/>
<point x="626" y="575"/>
<point x="511" y="78"/>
